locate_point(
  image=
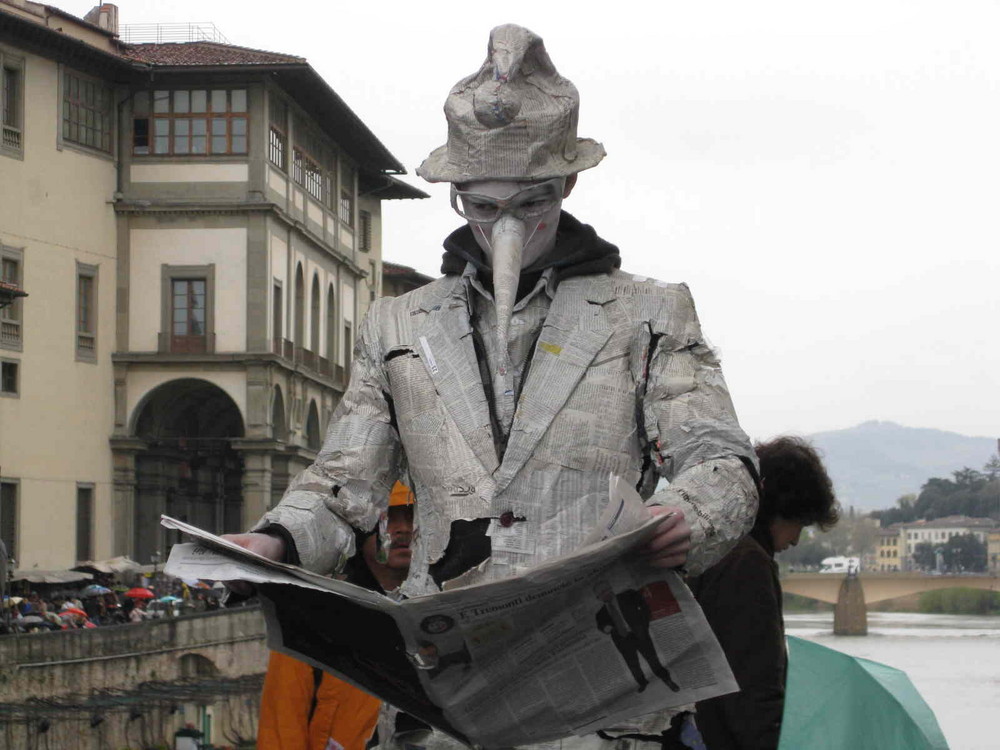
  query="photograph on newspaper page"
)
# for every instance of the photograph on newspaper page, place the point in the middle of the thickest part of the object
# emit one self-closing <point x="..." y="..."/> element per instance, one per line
<point x="582" y="649"/>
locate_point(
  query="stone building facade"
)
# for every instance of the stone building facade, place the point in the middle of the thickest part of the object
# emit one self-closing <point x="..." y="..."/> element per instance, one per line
<point x="199" y="228"/>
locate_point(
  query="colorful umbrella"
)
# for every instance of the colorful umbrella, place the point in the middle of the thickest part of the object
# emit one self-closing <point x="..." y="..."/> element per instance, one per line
<point x="95" y="589"/>
<point x="834" y="700"/>
<point x="169" y="599"/>
<point x="73" y="611"/>
<point x="140" y="593"/>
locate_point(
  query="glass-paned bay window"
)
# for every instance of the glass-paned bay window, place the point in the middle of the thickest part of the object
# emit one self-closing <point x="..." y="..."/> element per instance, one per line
<point x="306" y="159"/>
<point x="88" y="112"/>
<point x="198" y="122"/>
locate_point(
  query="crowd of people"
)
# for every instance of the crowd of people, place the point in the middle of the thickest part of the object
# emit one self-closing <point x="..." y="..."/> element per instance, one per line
<point x="104" y="603"/>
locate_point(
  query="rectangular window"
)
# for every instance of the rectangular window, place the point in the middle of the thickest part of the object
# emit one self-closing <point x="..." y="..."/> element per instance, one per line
<point x="86" y="312"/>
<point x="11" y="104"/>
<point x="297" y="168"/>
<point x="84" y="523"/>
<point x="187" y="317"/>
<point x="278" y="144"/>
<point x="88" y="112"/>
<point x="12" y="272"/>
<point x="276" y="317"/>
<point x="365" y="231"/>
<point x="347" y="208"/>
<point x="307" y="173"/>
<point x="185" y="122"/>
<point x="347" y="195"/>
<point x="187" y="330"/>
<point x="10" y="384"/>
<point x="8" y="517"/>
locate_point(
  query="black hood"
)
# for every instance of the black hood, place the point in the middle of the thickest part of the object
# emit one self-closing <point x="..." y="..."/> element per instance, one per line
<point x="578" y="252"/>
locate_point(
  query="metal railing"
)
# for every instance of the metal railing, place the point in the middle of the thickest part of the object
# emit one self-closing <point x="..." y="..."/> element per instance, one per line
<point x="11" y="137"/>
<point x="10" y="332"/>
<point x="161" y="33"/>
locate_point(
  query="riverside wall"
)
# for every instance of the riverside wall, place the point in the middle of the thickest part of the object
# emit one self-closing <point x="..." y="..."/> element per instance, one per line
<point x="133" y="686"/>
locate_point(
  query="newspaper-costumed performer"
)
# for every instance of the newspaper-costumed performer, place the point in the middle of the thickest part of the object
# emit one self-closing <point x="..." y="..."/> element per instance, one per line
<point x="506" y="392"/>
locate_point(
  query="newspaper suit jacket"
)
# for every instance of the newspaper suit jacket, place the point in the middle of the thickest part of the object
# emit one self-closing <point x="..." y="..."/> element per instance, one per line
<point x="621" y="381"/>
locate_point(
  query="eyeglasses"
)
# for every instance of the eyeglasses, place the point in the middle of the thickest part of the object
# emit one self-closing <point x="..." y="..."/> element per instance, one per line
<point x="528" y="203"/>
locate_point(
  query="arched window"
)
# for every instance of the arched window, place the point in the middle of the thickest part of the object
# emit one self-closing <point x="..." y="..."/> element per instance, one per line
<point x="331" y="325"/>
<point x="279" y="424"/>
<point x="313" y="441"/>
<point x="314" y="317"/>
<point x="300" y="306"/>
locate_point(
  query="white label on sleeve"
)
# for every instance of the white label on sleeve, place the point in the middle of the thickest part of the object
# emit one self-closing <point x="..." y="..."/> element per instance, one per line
<point x="429" y="356"/>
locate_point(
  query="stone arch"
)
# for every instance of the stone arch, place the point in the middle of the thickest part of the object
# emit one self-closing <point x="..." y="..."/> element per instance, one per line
<point x="314" y="317"/>
<point x="279" y="420"/>
<point x="300" y="306"/>
<point x="188" y="467"/>
<point x="314" y="440"/>
<point x="196" y="665"/>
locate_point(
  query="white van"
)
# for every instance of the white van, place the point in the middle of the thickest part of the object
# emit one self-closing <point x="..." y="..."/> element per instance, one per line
<point x="842" y="565"/>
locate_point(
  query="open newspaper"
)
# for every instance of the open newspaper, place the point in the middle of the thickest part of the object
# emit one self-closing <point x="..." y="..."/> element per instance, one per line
<point x="576" y="644"/>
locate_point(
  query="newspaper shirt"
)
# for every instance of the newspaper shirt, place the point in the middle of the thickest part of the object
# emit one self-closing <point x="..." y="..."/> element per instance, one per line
<point x="564" y="649"/>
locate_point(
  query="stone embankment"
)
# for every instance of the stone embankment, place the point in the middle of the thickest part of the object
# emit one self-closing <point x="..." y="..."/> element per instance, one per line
<point x="134" y="685"/>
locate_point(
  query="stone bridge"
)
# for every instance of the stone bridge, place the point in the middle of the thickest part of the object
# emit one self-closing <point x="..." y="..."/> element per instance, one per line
<point x="133" y="686"/>
<point x="852" y="594"/>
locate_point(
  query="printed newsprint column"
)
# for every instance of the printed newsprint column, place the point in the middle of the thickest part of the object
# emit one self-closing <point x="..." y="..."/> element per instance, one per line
<point x="575" y="644"/>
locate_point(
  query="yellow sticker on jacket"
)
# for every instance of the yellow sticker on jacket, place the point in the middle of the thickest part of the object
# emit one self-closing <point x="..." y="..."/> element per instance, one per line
<point x="545" y="346"/>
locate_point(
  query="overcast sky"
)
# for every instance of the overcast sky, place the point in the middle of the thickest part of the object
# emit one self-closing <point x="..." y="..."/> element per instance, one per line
<point x="824" y="177"/>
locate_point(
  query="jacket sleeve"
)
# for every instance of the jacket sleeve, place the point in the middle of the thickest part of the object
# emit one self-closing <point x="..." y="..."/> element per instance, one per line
<point x="349" y="483"/>
<point x="692" y="437"/>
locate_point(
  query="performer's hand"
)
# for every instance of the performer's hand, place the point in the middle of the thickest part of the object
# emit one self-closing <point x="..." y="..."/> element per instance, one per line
<point x="265" y="545"/>
<point x="669" y="546"/>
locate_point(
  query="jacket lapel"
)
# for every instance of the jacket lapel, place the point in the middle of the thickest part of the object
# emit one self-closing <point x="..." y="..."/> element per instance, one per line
<point x="445" y="346"/>
<point x="575" y="329"/>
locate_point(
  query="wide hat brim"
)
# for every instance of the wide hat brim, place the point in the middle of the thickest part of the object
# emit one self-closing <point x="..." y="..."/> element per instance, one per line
<point x="438" y="167"/>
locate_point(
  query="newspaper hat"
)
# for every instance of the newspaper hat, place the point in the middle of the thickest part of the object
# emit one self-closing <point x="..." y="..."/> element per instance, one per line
<point x="515" y="119"/>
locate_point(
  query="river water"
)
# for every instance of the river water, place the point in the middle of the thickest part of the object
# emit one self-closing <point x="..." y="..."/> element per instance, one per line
<point x="953" y="660"/>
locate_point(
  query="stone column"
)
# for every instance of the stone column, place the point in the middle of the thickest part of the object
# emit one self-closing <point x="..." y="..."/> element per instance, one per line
<point x="256" y="477"/>
<point x="850" y="617"/>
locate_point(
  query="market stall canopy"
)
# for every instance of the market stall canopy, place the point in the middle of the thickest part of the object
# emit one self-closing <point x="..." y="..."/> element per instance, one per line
<point x="834" y="700"/>
<point x="120" y="564"/>
<point x="50" y="576"/>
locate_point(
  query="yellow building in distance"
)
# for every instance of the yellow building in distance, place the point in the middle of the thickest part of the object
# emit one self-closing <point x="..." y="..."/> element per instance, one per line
<point x="887" y="549"/>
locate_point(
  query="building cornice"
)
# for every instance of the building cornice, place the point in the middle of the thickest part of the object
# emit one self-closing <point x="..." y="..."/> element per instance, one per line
<point x="236" y="359"/>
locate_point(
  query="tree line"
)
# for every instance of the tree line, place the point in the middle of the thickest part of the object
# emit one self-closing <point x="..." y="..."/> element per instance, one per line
<point x="967" y="493"/>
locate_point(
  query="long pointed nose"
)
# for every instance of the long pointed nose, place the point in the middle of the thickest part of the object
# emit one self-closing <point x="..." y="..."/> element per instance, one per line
<point x="508" y="246"/>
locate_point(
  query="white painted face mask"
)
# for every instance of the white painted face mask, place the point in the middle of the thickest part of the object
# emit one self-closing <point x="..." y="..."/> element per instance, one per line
<point x="515" y="225"/>
<point x="536" y="204"/>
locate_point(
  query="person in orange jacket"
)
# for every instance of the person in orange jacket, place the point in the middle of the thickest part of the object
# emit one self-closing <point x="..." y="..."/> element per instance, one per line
<point x="304" y="708"/>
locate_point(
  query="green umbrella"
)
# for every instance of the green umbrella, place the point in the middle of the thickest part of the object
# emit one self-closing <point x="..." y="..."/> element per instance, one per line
<point x="835" y="701"/>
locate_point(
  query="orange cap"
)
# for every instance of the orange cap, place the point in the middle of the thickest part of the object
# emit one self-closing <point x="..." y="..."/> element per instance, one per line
<point x="400" y="495"/>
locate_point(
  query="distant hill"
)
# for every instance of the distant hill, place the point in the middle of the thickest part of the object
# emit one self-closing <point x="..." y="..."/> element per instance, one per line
<point x="874" y="463"/>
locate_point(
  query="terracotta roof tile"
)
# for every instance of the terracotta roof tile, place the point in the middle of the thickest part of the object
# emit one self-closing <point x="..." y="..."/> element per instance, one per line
<point x="206" y="53"/>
